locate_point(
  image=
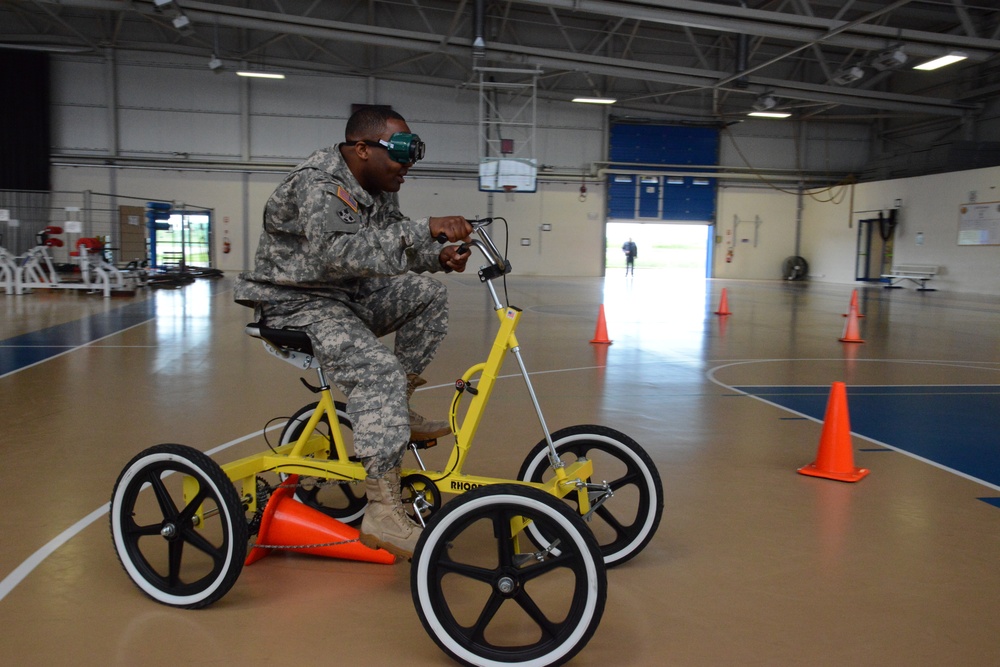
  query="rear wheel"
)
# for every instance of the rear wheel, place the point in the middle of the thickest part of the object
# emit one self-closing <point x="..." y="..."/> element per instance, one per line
<point x="181" y="551"/>
<point x="344" y="501"/>
<point x="487" y="597"/>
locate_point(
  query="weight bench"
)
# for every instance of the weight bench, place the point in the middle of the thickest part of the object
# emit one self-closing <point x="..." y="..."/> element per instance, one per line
<point x="919" y="274"/>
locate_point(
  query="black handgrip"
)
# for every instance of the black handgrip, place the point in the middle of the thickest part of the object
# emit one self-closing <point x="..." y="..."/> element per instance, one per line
<point x="441" y="238"/>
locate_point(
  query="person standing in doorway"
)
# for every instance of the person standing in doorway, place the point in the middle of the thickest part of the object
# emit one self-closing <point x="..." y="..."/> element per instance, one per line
<point x="631" y="252"/>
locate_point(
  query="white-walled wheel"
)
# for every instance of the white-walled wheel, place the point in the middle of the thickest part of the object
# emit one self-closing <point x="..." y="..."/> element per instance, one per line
<point x="626" y="523"/>
<point x="344" y="501"/>
<point x="487" y="597"/>
<point x="183" y="553"/>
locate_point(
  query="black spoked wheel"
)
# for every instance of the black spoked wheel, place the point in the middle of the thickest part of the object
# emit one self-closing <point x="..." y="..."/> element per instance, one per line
<point x="488" y="597"/>
<point x="181" y="550"/>
<point x="344" y="501"/>
<point x="626" y="523"/>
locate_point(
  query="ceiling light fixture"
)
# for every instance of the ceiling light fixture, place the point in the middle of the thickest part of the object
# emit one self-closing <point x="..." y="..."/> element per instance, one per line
<point x="889" y="60"/>
<point x="847" y="75"/>
<point x="595" y="100"/>
<point x="765" y="102"/>
<point x="953" y="57"/>
<point x="183" y="25"/>
<point x="260" y="75"/>
<point x="769" y="114"/>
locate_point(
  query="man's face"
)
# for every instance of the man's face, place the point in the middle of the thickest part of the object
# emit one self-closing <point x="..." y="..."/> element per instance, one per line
<point x="382" y="173"/>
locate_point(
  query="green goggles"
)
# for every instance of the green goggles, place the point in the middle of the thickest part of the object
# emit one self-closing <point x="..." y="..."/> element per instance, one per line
<point x="403" y="147"/>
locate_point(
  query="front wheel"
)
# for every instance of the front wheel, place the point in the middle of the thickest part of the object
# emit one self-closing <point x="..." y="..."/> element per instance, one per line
<point x="181" y="551"/>
<point x="486" y="597"/>
<point x="626" y="523"/>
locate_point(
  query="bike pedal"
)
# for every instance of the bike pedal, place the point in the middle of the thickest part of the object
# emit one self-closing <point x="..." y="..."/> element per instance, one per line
<point x="424" y="444"/>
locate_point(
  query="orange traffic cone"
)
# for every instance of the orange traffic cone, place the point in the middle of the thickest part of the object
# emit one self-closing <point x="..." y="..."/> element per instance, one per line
<point x="601" y="332"/>
<point x="723" y="304"/>
<point x="854" y="305"/>
<point x="293" y="526"/>
<point x="835" y="459"/>
<point x="851" y="332"/>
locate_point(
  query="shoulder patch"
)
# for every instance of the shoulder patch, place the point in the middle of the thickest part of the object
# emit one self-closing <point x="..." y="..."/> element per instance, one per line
<point x="345" y="196"/>
<point x="347" y="216"/>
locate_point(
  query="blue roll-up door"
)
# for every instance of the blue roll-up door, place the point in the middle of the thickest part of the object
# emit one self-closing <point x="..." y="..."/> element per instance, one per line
<point x="639" y="149"/>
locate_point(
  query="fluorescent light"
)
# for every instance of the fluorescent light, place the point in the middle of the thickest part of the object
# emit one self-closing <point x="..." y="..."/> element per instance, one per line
<point x="953" y="57"/>
<point x="595" y="100"/>
<point x="260" y="75"/>
<point x="769" y="114"/>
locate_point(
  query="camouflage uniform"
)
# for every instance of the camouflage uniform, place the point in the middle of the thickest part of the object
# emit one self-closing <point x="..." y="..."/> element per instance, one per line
<point x="334" y="261"/>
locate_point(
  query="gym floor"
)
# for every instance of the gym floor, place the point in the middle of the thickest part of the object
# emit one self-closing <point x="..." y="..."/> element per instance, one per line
<point x="753" y="564"/>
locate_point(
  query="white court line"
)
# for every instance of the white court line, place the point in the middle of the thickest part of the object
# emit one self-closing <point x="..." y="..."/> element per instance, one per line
<point x="34" y="560"/>
<point x="71" y="349"/>
<point x="711" y="377"/>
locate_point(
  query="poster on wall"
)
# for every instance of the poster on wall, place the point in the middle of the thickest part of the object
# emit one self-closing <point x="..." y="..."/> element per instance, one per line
<point x="979" y="224"/>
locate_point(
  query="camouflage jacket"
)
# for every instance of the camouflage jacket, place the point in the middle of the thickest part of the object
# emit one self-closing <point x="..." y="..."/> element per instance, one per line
<point x="324" y="235"/>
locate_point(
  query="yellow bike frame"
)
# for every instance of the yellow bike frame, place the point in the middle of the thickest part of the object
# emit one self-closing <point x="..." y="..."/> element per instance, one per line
<point x="311" y="454"/>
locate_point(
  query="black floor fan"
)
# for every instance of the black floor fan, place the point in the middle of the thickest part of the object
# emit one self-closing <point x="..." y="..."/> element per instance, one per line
<point x="794" y="268"/>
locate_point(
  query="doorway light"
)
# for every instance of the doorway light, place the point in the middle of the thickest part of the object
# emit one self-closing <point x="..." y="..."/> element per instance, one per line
<point x="595" y="100"/>
<point x="953" y="57"/>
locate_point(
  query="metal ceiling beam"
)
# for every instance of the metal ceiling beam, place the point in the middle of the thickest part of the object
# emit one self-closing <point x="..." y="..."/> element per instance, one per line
<point x="339" y="31"/>
<point x="779" y="25"/>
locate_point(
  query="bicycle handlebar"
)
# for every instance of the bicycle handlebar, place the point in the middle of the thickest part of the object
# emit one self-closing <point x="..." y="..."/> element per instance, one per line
<point x="498" y="264"/>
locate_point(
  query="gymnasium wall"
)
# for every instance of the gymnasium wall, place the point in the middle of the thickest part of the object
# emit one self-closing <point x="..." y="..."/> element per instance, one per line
<point x="242" y="136"/>
<point x="927" y="231"/>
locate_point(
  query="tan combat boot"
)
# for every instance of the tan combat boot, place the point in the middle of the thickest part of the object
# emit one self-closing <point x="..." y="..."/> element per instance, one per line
<point x="386" y="524"/>
<point x="421" y="428"/>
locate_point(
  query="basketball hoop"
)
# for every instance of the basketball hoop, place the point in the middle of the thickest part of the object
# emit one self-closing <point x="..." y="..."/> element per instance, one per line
<point x="508" y="191"/>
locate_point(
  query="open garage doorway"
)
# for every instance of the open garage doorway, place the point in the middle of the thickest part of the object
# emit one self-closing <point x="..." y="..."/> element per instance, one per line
<point x="672" y="250"/>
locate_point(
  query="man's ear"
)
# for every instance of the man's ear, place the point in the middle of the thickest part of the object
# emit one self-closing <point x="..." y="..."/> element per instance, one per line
<point x="359" y="148"/>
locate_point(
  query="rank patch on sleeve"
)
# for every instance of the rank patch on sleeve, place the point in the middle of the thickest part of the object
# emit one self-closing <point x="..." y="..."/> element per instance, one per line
<point x="346" y="197"/>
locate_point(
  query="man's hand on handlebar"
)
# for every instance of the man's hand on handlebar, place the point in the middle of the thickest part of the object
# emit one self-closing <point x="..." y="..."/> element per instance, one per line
<point x="454" y="257"/>
<point x="452" y="228"/>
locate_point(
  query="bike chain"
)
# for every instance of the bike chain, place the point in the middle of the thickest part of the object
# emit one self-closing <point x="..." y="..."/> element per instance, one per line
<point x="303" y="546"/>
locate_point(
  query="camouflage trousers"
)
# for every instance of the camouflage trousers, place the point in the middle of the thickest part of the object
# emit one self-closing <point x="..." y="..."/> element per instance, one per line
<point x="345" y="337"/>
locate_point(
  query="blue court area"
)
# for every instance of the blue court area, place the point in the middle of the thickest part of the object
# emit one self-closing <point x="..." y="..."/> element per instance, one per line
<point x="955" y="426"/>
<point x="31" y="348"/>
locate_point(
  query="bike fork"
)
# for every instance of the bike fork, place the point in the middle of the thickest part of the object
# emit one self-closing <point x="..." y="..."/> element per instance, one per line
<point x="554" y="459"/>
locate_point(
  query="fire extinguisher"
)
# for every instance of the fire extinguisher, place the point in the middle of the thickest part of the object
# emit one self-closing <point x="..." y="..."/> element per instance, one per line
<point x="729" y="256"/>
<point x="226" y="246"/>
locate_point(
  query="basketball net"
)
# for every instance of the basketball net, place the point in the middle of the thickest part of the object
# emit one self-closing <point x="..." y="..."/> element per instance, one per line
<point x="508" y="191"/>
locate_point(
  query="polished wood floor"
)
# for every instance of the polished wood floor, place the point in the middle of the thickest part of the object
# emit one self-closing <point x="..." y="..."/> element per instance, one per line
<point x="753" y="564"/>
